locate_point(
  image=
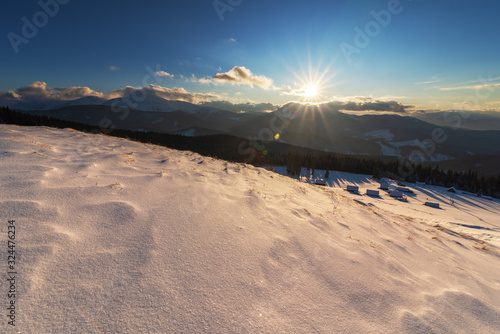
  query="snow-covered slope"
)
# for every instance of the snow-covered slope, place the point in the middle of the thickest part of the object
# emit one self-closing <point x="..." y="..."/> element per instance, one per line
<point x="118" y="236"/>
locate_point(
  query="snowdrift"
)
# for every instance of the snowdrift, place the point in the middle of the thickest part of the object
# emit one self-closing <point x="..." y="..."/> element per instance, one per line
<point x="119" y="236"/>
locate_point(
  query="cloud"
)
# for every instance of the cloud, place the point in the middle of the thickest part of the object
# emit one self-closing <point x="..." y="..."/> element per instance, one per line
<point x="73" y="93"/>
<point x="391" y="106"/>
<point x="432" y="80"/>
<point x="239" y="75"/>
<point x="176" y="94"/>
<point x="356" y="99"/>
<point x="295" y="92"/>
<point x="193" y="78"/>
<point x="113" y="68"/>
<point x="9" y="97"/>
<point x="39" y="92"/>
<point x="205" y="81"/>
<point x="164" y="74"/>
<point x="242" y="107"/>
<point x="491" y="85"/>
<point x="359" y="103"/>
<point x="427" y="82"/>
<point x="479" y="83"/>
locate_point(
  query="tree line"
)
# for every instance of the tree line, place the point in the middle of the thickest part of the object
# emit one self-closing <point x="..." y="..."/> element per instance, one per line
<point x="229" y="148"/>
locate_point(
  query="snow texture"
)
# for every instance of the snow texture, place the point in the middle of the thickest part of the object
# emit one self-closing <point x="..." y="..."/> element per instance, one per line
<point x="123" y="237"/>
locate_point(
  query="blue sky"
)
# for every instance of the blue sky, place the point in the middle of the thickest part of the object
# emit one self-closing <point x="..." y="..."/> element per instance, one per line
<point x="430" y="54"/>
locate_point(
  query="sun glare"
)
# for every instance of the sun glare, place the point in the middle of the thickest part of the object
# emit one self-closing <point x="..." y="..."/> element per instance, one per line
<point x="311" y="91"/>
<point x="312" y="82"/>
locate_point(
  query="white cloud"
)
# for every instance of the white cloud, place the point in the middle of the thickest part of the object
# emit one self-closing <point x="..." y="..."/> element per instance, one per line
<point x="357" y="99"/>
<point x="38" y="91"/>
<point x="295" y="92"/>
<point x="489" y="85"/>
<point x="432" y="80"/>
<point x="9" y="97"/>
<point x="427" y="82"/>
<point x="113" y="68"/>
<point x="239" y="75"/>
<point x="164" y="74"/>
<point x="479" y="83"/>
<point x="242" y="107"/>
<point x="176" y="94"/>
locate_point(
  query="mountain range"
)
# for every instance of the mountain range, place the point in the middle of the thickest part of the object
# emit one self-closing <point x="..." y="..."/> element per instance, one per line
<point x="316" y="126"/>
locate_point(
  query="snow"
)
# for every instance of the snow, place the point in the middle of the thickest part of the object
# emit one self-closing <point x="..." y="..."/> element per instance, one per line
<point x="371" y="192"/>
<point x="389" y="151"/>
<point x="414" y="142"/>
<point x="119" y="236"/>
<point x="394" y="151"/>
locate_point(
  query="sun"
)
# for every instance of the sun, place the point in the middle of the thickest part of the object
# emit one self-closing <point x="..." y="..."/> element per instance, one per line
<point x="312" y="83"/>
<point x="310" y="91"/>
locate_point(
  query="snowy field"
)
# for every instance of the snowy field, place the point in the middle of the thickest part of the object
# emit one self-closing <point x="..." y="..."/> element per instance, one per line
<point x="114" y="236"/>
